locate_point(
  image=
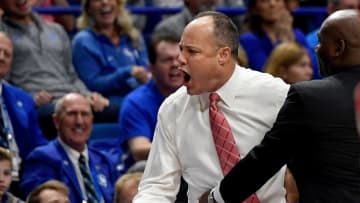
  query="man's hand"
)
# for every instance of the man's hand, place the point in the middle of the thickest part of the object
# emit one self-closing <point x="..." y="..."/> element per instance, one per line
<point x="141" y="74"/>
<point x="42" y="98"/>
<point x="292" y="194"/>
<point x="284" y="29"/>
<point x="98" y="102"/>
<point x="204" y="197"/>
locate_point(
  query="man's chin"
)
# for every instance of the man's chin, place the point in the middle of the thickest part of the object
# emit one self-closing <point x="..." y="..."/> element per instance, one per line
<point x="193" y="91"/>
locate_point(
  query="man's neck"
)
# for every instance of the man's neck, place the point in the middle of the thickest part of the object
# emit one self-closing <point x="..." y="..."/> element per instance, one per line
<point x="21" y="19"/>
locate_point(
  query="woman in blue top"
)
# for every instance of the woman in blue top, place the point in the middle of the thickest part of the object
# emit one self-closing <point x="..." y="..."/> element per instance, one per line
<point x="109" y="54"/>
<point x="270" y="23"/>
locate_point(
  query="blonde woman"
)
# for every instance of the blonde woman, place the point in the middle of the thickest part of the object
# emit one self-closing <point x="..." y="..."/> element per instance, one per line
<point x="291" y="62"/>
<point x="109" y="54"/>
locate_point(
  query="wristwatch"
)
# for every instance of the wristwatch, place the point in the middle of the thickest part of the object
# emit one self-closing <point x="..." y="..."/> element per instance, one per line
<point x="211" y="198"/>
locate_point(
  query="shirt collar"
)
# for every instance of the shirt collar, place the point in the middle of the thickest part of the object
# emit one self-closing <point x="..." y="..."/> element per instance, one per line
<point x="35" y="17"/>
<point x="73" y="153"/>
<point x="227" y="92"/>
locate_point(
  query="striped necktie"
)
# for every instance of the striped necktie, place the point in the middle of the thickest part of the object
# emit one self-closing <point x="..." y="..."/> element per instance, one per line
<point x="224" y="140"/>
<point x="88" y="182"/>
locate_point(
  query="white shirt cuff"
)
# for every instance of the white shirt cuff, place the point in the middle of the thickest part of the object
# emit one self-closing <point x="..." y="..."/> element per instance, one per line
<point x="217" y="195"/>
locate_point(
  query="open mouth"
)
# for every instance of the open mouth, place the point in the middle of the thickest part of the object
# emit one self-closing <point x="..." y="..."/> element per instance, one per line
<point x="187" y="77"/>
<point x="106" y="10"/>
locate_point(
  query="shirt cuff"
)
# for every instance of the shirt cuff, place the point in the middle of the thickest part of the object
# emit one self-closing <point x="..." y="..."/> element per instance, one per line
<point x="217" y="195"/>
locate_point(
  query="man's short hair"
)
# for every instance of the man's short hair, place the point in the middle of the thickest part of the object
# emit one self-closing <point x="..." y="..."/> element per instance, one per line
<point x="34" y="196"/>
<point x="120" y="183"/>
<point x="156" y="39"/>
<point x="5" y="155"/>
<point x="225" y="31"/>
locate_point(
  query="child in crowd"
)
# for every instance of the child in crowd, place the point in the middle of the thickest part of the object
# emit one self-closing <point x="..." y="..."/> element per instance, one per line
<point x="6" y="178"/>
<point x="126" y="187"/>
<point x="49" y="192"/>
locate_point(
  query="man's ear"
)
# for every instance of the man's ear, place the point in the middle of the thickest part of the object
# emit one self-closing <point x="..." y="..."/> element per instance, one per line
<point x="224" y="55"/>
<point x="340" y="46"/>
<point x="56" y="121"/>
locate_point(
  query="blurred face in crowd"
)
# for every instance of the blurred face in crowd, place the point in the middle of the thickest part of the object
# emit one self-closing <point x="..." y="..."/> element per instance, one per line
<point x="52" y="196"/>
<point x="103" y="12"/>
<point x="299" y="71"/>
<point x="199" y="57"/>
<point x="5" y="176"/>
<point x="6" y="54"/>
<point x="165" y="70"/>
<point x="74" y="121"/>
<point x="18" y="9"/>
<point x="269" y="10"/>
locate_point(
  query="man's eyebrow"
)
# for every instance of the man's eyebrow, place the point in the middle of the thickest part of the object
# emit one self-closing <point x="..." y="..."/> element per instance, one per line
<point x="187" y="46"/>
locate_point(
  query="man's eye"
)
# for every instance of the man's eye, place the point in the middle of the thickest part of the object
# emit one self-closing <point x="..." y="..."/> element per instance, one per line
<point x="191" y="51"/>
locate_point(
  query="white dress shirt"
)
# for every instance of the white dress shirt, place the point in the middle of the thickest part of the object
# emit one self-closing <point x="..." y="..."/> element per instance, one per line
<point x="74" y="158"/>
<point x="183" y="143"/>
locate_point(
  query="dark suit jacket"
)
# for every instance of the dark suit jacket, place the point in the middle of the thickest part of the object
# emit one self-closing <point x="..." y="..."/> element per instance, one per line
<point x="51" y="162"/>
<point x="316" y="130"/>
<point x="22" y="113"/>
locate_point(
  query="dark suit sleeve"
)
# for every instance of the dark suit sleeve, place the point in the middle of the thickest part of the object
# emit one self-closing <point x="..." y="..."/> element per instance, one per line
<point x="265" y="159"/>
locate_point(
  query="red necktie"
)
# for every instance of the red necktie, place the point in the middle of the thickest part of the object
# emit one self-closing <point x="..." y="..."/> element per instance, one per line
<point x="225" y="144"/>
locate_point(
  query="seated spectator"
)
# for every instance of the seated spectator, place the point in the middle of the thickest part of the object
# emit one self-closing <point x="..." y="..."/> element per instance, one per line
<point x="6" y="178"/>
<point x="176" y="23"/>
<point x="291" y="62"/>
<point x="18" y="118"/>
<point x="88" y="173"/>
<point x="332" y="6"/>
<point x="270" y="24"/>
<point x="109" y="54"/>
<point x="126" y="187"/>
<point x="49" y="192"/>
<point x="42" y="63"/>
<point x="138" y="118"/>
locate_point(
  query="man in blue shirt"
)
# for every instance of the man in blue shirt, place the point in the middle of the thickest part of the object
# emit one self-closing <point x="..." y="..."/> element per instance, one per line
<point x="139" y="110"/>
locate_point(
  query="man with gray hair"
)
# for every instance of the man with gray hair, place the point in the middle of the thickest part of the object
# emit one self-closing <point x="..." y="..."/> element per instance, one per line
<point x="88" y="173"/>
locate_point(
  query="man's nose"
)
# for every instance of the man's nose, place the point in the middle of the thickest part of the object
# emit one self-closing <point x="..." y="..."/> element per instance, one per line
<point x="79" y="118"/>
<point x="181" y="60"/>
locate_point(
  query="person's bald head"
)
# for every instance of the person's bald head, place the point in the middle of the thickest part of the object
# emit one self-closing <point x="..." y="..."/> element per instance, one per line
<point x="339" y="41"/>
